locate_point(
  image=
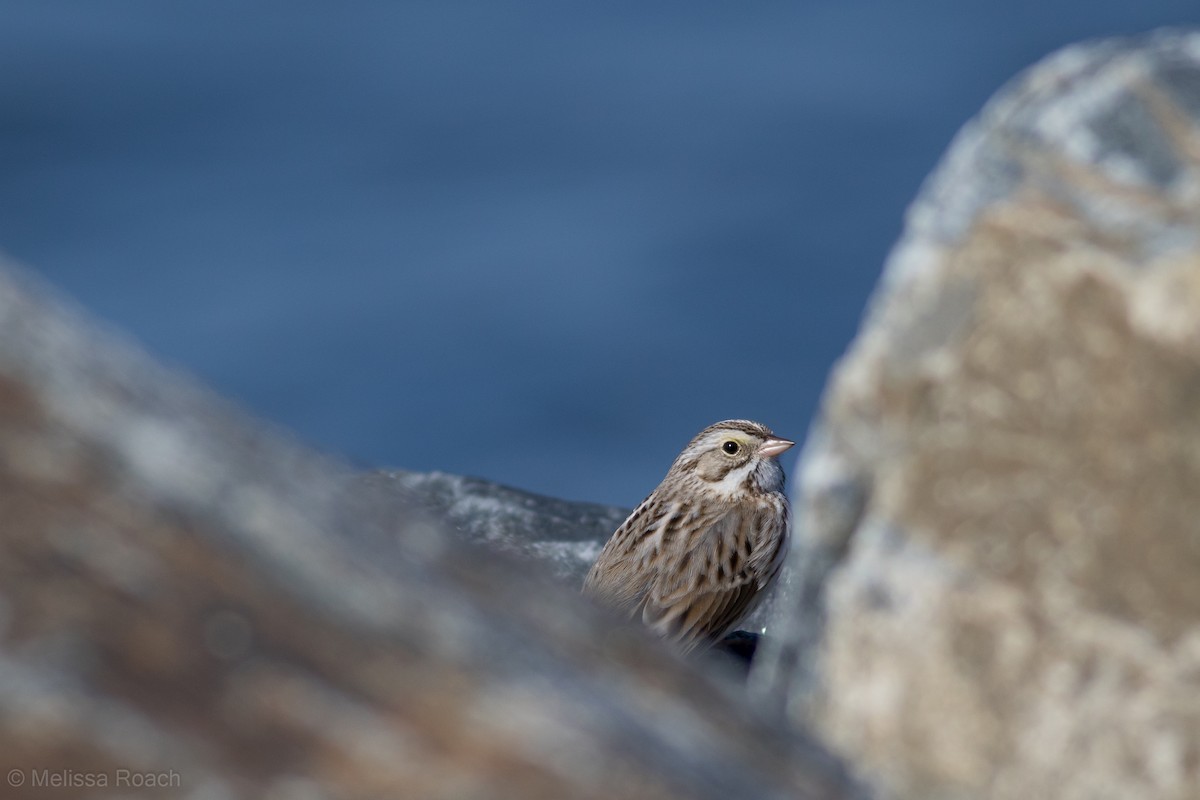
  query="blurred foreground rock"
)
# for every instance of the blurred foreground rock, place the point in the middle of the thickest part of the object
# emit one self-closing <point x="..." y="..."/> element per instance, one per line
<point x="194" y="607"/>
<point x="999" y="507"/>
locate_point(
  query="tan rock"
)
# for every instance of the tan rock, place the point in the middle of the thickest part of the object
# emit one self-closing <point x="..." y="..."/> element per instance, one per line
<point x="1000" y="508"/>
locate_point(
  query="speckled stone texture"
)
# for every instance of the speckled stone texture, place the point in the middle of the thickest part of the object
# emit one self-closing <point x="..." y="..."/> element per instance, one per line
<point x="999" y="507"/>
<point x="558" y="536"/>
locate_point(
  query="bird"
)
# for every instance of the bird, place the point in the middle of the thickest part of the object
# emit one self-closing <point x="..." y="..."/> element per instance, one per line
<point x="697" y="555"/>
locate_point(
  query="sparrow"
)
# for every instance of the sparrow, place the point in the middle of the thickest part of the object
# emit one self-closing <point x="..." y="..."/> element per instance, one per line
<point x="697" y="556"/>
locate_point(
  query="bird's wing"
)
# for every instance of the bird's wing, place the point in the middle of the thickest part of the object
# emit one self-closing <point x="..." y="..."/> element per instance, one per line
<point x="624" y="569"/>
<point x="712" y="585"/>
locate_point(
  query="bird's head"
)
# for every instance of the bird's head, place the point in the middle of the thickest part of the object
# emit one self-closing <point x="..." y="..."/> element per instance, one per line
<point x="734" y="456"/>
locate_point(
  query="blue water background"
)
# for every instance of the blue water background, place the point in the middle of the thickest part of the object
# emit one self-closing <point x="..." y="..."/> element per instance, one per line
<point x="540" y="242"/>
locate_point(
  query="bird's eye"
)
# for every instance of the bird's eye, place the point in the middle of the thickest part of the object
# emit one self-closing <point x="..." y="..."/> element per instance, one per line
<point x="730" y="447"/>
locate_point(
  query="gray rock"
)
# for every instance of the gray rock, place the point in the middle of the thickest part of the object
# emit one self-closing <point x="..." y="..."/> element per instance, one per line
<point x="191" y="599"/>
<point x="562" y="537"/>
<point x="998" y="553"/>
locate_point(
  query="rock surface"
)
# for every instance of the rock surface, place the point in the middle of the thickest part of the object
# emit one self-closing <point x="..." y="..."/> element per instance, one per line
<point x="999" y="507"/>
<point x="192" y="606"/>
<point x="559" y="536"/>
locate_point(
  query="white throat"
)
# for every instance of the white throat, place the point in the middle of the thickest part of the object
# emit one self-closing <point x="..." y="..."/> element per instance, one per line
<point x="734" y="482"/>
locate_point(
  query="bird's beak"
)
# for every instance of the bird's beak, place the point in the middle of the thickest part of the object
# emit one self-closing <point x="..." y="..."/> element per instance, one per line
<point x="774" y="446"/>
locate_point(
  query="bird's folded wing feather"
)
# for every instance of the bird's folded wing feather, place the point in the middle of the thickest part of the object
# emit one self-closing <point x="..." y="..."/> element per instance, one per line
<point x="622" y="573"/>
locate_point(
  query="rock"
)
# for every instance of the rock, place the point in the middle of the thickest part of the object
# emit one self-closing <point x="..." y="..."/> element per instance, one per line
<point x="998" y="553"/>
<point x="192" y="605"/>
<point x="562" y="537"/>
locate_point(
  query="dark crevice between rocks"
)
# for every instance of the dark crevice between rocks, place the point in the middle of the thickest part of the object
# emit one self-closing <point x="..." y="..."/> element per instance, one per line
<point x="738" y="648"/>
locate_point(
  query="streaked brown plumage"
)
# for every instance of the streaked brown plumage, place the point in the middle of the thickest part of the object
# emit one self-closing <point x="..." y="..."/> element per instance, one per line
<point x="695" y="556"/>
